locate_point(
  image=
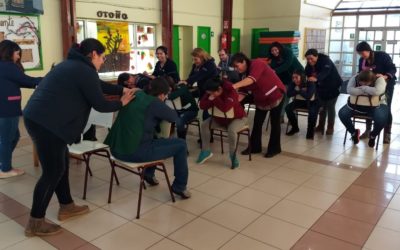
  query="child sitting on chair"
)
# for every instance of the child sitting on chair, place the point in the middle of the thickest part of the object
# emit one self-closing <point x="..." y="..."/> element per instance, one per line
<point x="222" y="96"/>
<point x="365" y="85"/>
<point x="132" y="136"/>
<point x="303" y="93"/>
<point x="188" y="106"/>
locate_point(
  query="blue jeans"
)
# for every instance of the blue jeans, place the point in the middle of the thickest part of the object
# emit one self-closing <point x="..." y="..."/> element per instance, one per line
<point x="9" y="136"/>
<point x="379" y="116"/>
<point x="184" y="118"/>
<point x="160" y="149"/>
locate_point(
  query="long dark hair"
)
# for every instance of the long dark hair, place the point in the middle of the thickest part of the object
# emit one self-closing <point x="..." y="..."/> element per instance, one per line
<point x="89" y="45"/>
<point x="302" y="75"/>
<point x="7" y="49"/>
<point x="240" y="57"/>
<point x="277" y="45"/>
<point x="364" y="46"/>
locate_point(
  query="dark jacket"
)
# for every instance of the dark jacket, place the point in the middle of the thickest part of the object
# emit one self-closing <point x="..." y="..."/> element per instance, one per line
<point x="201" y="74"/>
<point x="382" y="64"/>
<point x="63" y="100"/>
<point x="226" y="69"/>
<point x="169" y="69"/>
<point x="306" y="90"/>
<point x="329" y="80"/>
<point x="186" y="96"/>
<point x="285" y="65"/>
<point x="12" y="78"/>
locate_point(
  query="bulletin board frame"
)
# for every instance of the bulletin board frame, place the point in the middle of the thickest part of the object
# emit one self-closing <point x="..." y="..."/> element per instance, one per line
<point x="315" y="39"/>
<point x="24" y="29"/>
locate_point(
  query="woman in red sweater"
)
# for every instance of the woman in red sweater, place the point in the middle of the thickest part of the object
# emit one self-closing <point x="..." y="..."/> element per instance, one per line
<point x="268" y="92"/>
<point x="221" y="95"/>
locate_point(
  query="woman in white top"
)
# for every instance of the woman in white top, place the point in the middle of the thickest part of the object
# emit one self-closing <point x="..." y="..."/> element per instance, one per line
<point x="367" y="97"/>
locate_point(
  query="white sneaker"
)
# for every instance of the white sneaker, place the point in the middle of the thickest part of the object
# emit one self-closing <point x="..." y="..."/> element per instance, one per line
<point x="12" y="173"/>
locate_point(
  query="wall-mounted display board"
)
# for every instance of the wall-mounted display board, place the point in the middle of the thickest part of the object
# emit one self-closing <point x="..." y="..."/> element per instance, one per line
<point x="315" y="39"/>
<point x="22" y="6"/>
<point x="24" y="30"/>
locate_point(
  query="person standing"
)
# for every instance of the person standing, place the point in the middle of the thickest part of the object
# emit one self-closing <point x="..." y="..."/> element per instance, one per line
<point x="322" y="71"/>
<point x="284" y="63"/>
<point x="55" y="116"/>
<point x="268" y="92"/>
<point x="382" y="65"/>
<point x="12" y="78"/>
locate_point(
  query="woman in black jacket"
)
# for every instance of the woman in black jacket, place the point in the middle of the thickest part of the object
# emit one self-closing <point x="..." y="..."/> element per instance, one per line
<point x="164" y="66"/>
<point x="321" y="70"/>
<point x="55" y="116"/>
<point x="203" y="68"/>
<point x="382" y="65"/>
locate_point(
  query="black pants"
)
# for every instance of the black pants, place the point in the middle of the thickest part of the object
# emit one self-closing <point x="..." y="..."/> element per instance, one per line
<point x="274" y="145"/>
<point x="312" y="107"/>
<point x="54" y="159"/>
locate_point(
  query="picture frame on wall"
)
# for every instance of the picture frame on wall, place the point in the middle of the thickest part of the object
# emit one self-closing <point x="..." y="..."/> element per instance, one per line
<point x="25" y="31"/>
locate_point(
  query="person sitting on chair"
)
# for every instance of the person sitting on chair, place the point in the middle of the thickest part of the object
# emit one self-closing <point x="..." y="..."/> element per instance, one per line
<point x="304" y="97"/>
<point x="365" y="85"/>
<point x="132" y="138"/>
<point x="221" y="95"/>
<point x="188" y="110"/>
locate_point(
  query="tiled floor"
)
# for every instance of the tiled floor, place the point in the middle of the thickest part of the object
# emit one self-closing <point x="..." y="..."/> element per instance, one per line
<point x="317" y="194"/>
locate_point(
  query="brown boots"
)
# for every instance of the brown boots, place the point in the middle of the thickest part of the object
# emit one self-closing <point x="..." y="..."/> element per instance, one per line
<point x="70" y="210"/>
<point x="40" y="227"/>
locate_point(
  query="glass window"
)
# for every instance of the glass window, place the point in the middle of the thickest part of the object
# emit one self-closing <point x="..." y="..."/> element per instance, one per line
<point x="349" y="34"/>
<point x="393" y="20"/>
<point x="389" y="48"/>
<point x="397" y="35"/>
<point x="348" y="46"/>
<point x="347" y="58"/>
<point x="370" y="35"/>
<point x="138" y="55"/>
<point x="145" y="36"/>
<point x="364" y="21"/>
<point x="378" y="35"/>
<point x="336" y="34"/>
<point x="362" y="36"/>
<point x="378" y="20"/>
<point x="347" y="71"/>
<point x="335" y="57"/>
<point x="390" y="35"/>
<point x="396" y="59"/>
<point x="396" y="48"/>
<point x="350" y="21"/>
<point x="337" y="21"/>
<point x="334" y="46"/>
<point x="80" y="31"/>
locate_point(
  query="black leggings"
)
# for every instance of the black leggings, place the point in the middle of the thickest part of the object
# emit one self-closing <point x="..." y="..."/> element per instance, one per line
<point x="274" y="144"/>
<point x="54" y="159"/>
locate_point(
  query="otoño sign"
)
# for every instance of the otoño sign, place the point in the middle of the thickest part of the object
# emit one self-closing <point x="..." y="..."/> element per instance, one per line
<point x="117" y="14"/>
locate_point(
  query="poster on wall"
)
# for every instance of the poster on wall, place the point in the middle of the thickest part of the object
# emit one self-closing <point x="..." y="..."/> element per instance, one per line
<point x="22" y="6"/>
<point x="115" y="37"/>
<point x="24" y="30"/>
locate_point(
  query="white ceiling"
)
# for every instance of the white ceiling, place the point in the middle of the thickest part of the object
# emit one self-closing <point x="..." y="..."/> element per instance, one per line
<point x="354" y="4"/>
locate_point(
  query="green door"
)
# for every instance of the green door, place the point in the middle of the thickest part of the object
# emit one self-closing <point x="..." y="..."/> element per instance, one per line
<point x="235" y="45"/>
<point x="204" y="38"/>
<point x="255" y="46"/>
<point x="175" y="45"/>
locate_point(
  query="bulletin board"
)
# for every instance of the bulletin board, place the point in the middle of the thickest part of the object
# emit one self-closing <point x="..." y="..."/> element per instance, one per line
<point x="315" y="39"/>
<point x="24" y="30"/>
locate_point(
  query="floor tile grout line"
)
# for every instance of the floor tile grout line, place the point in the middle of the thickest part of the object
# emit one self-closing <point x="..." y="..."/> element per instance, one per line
<point x="43" y="238"/>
